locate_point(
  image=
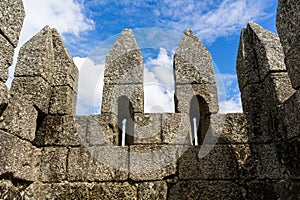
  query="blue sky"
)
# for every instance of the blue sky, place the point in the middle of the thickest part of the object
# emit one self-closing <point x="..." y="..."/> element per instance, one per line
<point x="90" y="25"/>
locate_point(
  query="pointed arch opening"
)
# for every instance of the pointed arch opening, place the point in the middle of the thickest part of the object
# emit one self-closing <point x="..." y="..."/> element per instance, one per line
<point x="125" y="111"/>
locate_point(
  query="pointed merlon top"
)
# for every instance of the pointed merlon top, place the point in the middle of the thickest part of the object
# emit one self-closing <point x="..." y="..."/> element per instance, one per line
<point x="192" y="61"/>
<point x="125" y="43"/>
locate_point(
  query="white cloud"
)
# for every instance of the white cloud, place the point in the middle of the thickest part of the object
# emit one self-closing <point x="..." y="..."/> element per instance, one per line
<point x="90" y="86"/>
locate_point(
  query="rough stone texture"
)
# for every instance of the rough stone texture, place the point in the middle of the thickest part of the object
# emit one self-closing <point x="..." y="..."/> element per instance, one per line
<point x="290" y="116"/>
<point x="20" y="119"/>
<point x="103" y="163"/>
<point x="36" y="56"/>
<point x="192" y="61"/>
<point x="63" y="101"/>
<point x="23" y="167"/>
<point x="152" y="162"/>
<point x="185" y="93"/>
<point x="288" y="25"/>
<point x="111" y="94"/>
<point x="176" y="129"/>
<point x="26" y="88"/>
<point x="147" y="128"/>
<point x="229" y="128"/>
<point x="152" y="190"/>
<point x="113" y="191"/>
<point x="81" y="125"/>
<point x="6" y="57"/>
<point x="124" y="63"/>
<point x="12" y="14"/>
<point x="57" y="130"/>
<point x="8" y="190"/>
<point x="65" y="190"/>
<point x="259" y="54"/>
<point x="208" y="162"/>
<point x="102" y="130"/>
<point x="53" y="164"/>
<point x="205" y="190"/>
<point x="4" y="96"/>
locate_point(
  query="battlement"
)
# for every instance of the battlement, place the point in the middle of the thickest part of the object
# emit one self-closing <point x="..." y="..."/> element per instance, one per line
<point x="49" y="152"/>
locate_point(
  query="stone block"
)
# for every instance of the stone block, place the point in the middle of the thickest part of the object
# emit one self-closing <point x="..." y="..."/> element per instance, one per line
<point x="288" y="24"/>
<point x="8" y="190"/>
<point x="113" y="191"/>
<point x="264" y="163"/>
<point x="4" y="96"/>
<point x="205" y="190"/>
<point x="53" y="164"/>
<point x="63" y="101"/>
<point x="192" y="62"/>
<point x="208" y="162"/>
<point x="57" y="130"/>
<point x="207" y="92"/>
<point x="229" y="128"/>
<point x="64" y="190"/>
<point x="126" y="69"/>
<point x="152" y="190"/>
<point x="147" y="128"/>
<point x="101" y="163"/>
<point x="34" y="90"/>
<point x="176" y="129"/>
<point x="36" y="57"/>
<point x="102" y="130"/>
<point x="152" y="162"/>
<point x="260" y="53"/>
<point x="81" y="125"/>
<point x="18" y="157"/>
<point x="290" y="116"/>
<point x="111" y="94"/>
<point x="6" y="57"/>
<point x="12" y="15"/>
<point x="20" y="119"/>
<point x="64" y="71"/>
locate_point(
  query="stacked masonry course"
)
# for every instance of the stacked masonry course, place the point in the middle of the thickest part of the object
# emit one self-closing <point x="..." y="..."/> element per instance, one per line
<point x="47" y="152"/>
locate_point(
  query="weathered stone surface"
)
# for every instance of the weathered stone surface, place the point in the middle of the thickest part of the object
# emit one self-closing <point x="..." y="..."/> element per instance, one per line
<point x="102" y="130"/>
<point x="53" y="164"/>
<point x="102" y="163"/>
<point x="63" y="101"/>
<point x="176" y="129"/>
<point x="111" y="94"/>
<point x="264" y="163"/>
<point x="152" y="190"/>
<point x="185" y="93"/>
<point x="113" y="191"/>
<point x="288" y="25"/>
<point x="18" y="157"/>
<point x="81" y="125"/>
<point x="8" y="190"/>
<point x="259" y="54"/>
<point x="4" y="96"/>
<point x="6" y="57"/>
<point x="147" y="128"/>
<point x="33" y="89"/>
<point x="208" y="162"/>
<point x="205" y="190"/>
<point x="57" y="130"/>
<point x="36" y="56"/>
<point x="20" y="119"/>
<point x="124" y="62"/>
<point x="152" y="162"/>
<point x="192" y="61"/>
<point x="64" y="190"/>
<point x="12" y="14"/>
<point x="64" y="71"/>
<point x="229" y="128"/>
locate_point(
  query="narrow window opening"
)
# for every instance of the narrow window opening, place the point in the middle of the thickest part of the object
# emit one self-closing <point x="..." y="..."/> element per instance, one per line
<point x="125" y="121"/>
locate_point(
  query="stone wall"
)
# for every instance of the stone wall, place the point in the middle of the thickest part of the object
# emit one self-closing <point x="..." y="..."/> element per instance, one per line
<point x="47" y="152"/>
